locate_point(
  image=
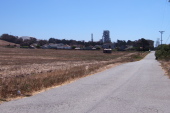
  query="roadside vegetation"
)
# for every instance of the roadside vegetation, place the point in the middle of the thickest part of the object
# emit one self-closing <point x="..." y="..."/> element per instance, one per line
<point x="163" y="55"/>
<point x="25" y="71"/>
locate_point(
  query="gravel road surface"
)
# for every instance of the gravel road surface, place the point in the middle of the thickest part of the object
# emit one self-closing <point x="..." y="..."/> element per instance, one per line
<point x="136" y="87"/>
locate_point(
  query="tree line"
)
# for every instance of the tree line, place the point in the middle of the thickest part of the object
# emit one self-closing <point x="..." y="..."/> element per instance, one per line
<point x="141" y="44"/>
<point x="21" y="41"/>
<point x="32" y="40"/>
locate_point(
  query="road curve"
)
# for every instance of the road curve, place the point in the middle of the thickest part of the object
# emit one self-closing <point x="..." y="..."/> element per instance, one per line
<point x="136" y="87"/>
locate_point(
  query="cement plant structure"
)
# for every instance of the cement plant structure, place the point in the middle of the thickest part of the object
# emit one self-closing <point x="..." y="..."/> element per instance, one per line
<point x="106" y="36"/>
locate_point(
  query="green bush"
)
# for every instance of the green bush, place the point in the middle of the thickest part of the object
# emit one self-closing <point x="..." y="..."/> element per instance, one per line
<point x="163" y="52"/>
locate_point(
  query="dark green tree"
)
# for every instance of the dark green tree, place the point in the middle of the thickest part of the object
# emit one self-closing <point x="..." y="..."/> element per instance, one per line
<point x="52" y="40"/>
<point x="9" y="38"/>
<point x="142" y="44"/>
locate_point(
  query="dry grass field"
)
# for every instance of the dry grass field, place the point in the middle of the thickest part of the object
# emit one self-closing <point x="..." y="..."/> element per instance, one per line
<point x="5" y="43"/>
<point x="22" y="62"/>
<point x="30" y="70"/>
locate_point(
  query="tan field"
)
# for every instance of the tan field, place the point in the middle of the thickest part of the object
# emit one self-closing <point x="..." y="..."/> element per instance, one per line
<point x="30" y="70"/>
<point x="5" y="43"/>
<point x="22" y="62"/>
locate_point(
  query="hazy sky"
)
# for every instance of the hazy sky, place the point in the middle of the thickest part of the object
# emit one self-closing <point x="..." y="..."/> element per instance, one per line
<point x="77" y="19"/>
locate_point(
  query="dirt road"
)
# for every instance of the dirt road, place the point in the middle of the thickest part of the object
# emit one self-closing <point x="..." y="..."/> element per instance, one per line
<point x="137" y="87"/>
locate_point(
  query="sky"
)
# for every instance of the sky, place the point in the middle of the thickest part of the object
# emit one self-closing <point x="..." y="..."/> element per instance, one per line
<point x="78" y="19"/>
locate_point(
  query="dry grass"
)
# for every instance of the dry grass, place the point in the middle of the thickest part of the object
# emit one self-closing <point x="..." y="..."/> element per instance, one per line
<point x="29" y="70"/>
<point x="5" y="43"/>
<point x="166" y="66"/>
<point x="22" y="62"/>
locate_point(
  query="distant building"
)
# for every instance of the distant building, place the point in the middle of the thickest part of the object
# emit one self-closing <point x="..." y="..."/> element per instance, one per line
<point x="25" y="37"/>
<point x="106" y="36"/>
<point x="56" y="46"/>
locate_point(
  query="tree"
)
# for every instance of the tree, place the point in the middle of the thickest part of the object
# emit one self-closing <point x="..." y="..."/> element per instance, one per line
<point x="19" y="41"/>
<point x="42" y="42"/>
<point x="142" y="44"/>
<point x="52" y="40"/>
<point x="32" y="40"/>
<point x="121" y="44"/>
<point x="129" y="42"/>
<point x="9" y="38"/>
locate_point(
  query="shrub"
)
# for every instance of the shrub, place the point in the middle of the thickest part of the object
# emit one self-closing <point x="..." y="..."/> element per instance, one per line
<point x="163" y="52"/>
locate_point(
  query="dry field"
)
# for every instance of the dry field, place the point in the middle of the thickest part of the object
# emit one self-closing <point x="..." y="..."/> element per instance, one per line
<point x="30" y="70"/>
<point x="5" y="43"/>
<point x="23" y="62"/>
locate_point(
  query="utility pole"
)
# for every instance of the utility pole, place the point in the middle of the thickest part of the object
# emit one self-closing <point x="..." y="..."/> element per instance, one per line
<point x="161" y="37"/>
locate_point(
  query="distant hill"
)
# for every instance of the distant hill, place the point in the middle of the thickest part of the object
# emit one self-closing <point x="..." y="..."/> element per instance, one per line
<point x="5" y="43"/>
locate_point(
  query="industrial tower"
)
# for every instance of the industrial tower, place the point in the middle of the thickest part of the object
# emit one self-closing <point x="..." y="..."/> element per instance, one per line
<point x="106" y="36"/>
